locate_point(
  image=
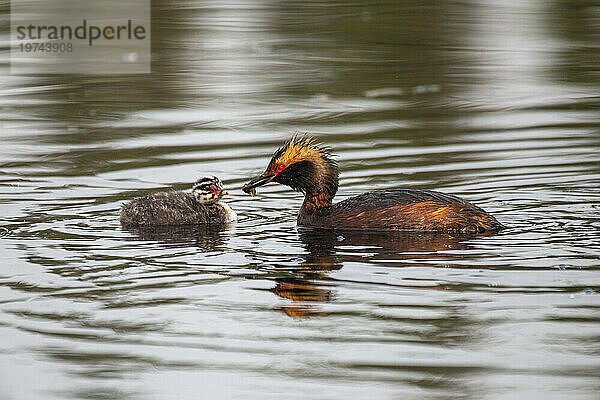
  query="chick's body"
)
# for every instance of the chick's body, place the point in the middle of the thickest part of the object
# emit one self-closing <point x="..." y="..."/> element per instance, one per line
<point x="202" y="206"/>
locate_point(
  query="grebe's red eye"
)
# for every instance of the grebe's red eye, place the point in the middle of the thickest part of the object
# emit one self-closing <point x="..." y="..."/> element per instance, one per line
<point x="280" y="168"/>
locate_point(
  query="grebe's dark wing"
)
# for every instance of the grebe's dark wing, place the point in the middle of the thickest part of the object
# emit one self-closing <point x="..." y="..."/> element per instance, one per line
<point x="420" y="210"/>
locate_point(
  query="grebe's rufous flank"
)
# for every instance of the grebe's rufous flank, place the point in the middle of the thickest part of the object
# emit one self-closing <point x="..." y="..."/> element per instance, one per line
<point x="306" y="165"/>
<point x="201" y="206"/>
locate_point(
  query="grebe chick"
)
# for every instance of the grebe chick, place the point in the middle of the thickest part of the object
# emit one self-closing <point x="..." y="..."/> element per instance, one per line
<point x="201" y="206"/>
<point x="307" y="166"/>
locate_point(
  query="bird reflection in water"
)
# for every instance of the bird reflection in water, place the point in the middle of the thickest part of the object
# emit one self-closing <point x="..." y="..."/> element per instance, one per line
<point x="329" y="250"/>
<point x="326" y="251"/>
<point x="302" y="289"/>
<point x="207" y="237"/>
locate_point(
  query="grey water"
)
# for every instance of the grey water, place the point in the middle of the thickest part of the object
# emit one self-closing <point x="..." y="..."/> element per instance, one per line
<point x="497" y="102"/>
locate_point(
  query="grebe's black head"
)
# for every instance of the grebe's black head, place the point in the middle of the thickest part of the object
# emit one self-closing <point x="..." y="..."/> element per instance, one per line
<point x="208" y="189"/>
<point x="302" y="164"/>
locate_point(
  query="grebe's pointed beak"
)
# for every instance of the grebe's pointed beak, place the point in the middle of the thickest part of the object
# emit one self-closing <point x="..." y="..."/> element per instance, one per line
<point x="260" y="180"/>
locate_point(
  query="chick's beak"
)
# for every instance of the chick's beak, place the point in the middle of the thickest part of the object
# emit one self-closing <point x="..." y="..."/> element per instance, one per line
<point x="219" y="193"/>
<point x="260" y="180"/>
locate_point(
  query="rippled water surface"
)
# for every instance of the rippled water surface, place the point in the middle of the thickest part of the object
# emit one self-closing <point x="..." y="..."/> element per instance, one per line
<point x="498" y="102"/>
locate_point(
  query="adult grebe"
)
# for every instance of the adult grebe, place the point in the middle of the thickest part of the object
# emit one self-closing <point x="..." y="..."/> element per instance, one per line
<point x="201" y="206"/>
<point x="307" y="166"/>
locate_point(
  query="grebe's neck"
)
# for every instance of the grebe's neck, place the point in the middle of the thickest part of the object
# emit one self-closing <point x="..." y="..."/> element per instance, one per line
<point x="322" y="188"/>
<point x="315" y="201"/>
